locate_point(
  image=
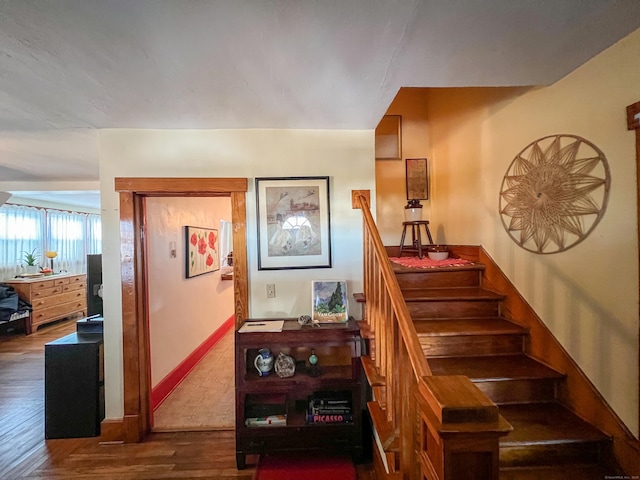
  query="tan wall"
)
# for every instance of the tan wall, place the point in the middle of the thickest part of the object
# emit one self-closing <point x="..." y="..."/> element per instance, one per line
<point x="391" y="196"/>
<point x="183" y="312"/>
<point x="587" y="295"/>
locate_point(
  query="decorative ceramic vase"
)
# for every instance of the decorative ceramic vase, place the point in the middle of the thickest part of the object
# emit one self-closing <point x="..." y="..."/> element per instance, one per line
<point x="412" y="214"/>
<point x="263" y="362"/>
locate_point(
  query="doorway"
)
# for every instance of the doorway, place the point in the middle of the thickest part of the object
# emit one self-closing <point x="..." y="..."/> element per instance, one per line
<point x="136" y="368"/>
<point x="190" y="315"/>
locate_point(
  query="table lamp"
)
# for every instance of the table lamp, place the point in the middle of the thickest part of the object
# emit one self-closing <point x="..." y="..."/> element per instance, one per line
<point x="51" y="255"/>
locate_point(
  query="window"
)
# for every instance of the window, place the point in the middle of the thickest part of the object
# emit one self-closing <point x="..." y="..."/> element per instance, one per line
<point x="22" y="229"/>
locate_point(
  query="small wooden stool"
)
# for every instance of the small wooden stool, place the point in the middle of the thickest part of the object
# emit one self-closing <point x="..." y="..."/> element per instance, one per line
<point x="416" y="239"/>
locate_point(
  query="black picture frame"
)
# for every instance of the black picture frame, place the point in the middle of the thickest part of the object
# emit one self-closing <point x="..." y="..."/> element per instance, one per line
<point x="293" y="222"/>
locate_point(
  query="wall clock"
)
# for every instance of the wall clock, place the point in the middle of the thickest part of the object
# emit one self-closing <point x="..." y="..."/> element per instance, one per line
<point x="554" y="193"/>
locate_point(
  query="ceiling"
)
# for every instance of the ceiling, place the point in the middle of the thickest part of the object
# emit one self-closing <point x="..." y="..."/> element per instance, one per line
<point x="71" y="67"/>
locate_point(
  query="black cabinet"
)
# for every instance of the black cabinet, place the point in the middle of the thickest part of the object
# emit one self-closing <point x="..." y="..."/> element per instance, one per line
<point x="74" y="386"/>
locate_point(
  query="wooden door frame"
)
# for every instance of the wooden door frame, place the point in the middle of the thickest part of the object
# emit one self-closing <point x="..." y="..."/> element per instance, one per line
<point x="136" y="422"/>
<point x="633" y="123"/>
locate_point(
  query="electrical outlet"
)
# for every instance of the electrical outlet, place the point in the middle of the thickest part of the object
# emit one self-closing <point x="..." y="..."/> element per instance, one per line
<point x="271" y="290"/>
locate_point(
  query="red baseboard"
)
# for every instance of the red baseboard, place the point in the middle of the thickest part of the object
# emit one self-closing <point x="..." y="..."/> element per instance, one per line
<point x="173" y="379"/>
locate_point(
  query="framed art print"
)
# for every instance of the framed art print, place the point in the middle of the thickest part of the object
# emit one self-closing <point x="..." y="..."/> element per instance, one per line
<point x="293" y="223"/>
<point x="201" y="255"/>
<point x="388" y="138"/>
<point x="417" y="170"/>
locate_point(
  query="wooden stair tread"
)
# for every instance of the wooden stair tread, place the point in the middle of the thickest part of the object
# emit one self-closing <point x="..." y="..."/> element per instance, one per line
<point x="499" y="367"/>
<point x="371" y="372"/>
<point x="467" y="326"/>
<point x="556" y="472"/>
<point x="544" y="423"/>
<point x="446" y="294"/>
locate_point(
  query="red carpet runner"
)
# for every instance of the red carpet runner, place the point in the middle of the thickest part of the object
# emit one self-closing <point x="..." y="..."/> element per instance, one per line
<point x="304" y="467"/>
<point x="426" y="262"/>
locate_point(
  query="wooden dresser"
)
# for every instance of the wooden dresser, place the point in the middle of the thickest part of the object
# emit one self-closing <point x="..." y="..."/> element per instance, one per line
<point x="52" y="298"/>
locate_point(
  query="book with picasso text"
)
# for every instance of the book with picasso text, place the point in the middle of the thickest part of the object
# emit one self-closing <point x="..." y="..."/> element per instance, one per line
<point x="334" y="418"/>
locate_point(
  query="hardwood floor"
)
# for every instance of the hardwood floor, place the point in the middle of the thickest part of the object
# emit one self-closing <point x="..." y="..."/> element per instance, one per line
<point x="25" y="454"/>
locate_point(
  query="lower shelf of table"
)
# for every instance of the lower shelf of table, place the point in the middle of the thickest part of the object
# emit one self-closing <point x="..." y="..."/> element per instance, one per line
<point x="325" y="438"/>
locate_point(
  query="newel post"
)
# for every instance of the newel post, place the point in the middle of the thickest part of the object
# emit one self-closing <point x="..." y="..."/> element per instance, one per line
<point x="459" y="430"/>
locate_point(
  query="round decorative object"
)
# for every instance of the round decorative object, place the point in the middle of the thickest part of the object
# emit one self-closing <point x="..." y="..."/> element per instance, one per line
<point x="313" y="359"/>
<point x="554" y="193"/>
<point x="304" y="320"/>
<point x="285" y="366"/>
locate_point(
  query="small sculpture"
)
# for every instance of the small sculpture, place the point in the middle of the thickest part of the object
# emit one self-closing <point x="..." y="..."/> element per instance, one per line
<point x="285" y="366"/>
<point x="304" y="320"/>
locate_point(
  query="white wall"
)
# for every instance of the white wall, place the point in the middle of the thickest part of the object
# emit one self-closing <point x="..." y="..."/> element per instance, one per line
<point x="183" y="312"/>
<point x="347" y="157"/>
<point x="587" y="295"/>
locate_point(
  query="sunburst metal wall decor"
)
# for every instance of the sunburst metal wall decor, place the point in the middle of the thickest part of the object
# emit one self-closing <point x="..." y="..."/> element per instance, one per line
<point x="554" y="193"/>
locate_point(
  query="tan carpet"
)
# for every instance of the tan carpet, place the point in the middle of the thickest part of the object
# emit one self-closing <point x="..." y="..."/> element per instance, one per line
<point x="205" y="400"/>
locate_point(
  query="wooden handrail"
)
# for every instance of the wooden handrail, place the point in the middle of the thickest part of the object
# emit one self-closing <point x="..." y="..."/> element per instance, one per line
<point x="407" y="328"/>
<point x="411" y="415"/>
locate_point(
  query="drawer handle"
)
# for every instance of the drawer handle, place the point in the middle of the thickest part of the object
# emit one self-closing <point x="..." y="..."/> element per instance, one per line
<point x="256" y="444"/>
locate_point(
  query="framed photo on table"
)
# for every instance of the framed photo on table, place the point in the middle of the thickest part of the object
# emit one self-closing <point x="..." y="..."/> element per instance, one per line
<point x="294" y="228"/>
<point x="329" y="301"/>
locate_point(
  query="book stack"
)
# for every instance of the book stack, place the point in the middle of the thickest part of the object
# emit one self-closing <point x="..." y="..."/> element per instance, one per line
<point x="327" y="407"/>
<point x="269" y="421"/>
<point x="266" y="411"/>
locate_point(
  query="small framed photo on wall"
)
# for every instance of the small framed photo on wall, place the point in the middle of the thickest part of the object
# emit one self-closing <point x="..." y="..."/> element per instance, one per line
<point x="417" y="170"/>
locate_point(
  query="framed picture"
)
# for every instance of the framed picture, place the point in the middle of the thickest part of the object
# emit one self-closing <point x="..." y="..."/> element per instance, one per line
<point x="389" y="138"/>
<point x="417" y="170"/>
<point x="329" y="301"/>
<point x="293" y="223"/>
<point x="201" y="255"/>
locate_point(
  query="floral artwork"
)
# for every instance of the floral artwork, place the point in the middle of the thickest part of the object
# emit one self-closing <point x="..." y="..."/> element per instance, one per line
<point x="202" y="251"/>
<point x="329" y="300"/>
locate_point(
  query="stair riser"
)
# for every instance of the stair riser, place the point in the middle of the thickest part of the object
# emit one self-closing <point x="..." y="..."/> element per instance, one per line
<point x="464" y="278"/>
<point x="471" y="345"/>
<point x="519" y="391"/>
<point x="549" y="454"/>
<point x="452" y="309"/>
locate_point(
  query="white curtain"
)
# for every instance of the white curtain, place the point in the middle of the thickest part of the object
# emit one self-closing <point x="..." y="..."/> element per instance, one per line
<point x="226" y="241"/>
<point x="72" y="235"/>
<point x="22" y="230"/>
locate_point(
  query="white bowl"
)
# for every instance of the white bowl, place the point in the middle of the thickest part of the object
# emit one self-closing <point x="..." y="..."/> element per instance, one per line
<point x="438" y="255"/>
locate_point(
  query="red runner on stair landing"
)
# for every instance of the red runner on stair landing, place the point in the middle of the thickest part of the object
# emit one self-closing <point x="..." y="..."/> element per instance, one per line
<point x="305" y="467"/>
<point x="426" y="262"/>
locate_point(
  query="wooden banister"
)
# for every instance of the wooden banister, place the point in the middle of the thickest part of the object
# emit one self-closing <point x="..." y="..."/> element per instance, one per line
<point x="425" y="427"/>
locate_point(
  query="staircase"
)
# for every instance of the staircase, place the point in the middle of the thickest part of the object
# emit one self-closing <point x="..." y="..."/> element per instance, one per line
<point x="462" y="332"/>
